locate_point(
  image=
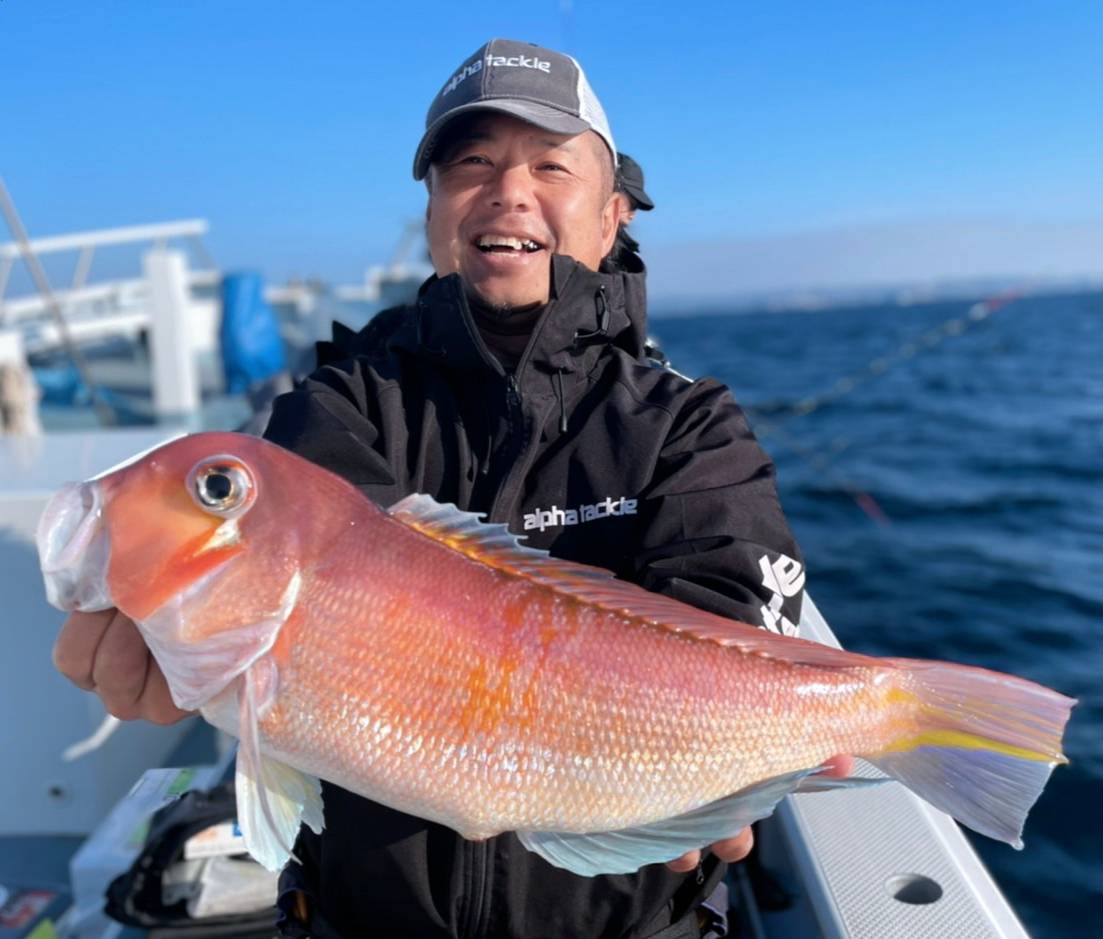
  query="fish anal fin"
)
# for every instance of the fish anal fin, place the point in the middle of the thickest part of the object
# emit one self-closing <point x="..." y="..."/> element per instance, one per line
<point x="627" y="850"/>
<point x="497" y="547"/>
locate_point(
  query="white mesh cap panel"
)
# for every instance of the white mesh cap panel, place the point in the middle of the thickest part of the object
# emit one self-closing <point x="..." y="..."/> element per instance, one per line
<point x="591" y="111"/>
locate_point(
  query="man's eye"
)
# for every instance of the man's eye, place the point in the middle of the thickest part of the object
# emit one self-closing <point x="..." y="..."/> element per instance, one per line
<point x="553" y="166"/>
<point x="473" y="160"/>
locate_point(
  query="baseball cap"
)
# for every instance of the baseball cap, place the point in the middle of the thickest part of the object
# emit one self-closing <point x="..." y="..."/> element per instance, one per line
<point x="631" y="182"/>
<point x="535" y="84"/>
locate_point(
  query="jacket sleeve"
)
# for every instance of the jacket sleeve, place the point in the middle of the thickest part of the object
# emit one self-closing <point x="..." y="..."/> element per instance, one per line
<point x="712" y="530"/>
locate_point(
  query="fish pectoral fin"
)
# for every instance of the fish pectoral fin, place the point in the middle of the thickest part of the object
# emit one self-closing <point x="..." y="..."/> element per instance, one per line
<point x="629" y="849"/>
<point x="271" y="812"/>
<point x="273" y="799"/>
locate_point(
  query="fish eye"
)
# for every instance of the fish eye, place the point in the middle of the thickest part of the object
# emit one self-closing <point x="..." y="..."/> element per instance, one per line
<point x="216" y="488"/>
<point x="221" y="487"/>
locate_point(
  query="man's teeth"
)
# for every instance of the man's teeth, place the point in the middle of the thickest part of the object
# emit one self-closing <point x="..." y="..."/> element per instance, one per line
<point x="504" y="241"/>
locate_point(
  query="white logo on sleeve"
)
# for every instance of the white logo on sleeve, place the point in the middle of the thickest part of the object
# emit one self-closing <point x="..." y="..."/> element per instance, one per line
<point x="783" y="578"/>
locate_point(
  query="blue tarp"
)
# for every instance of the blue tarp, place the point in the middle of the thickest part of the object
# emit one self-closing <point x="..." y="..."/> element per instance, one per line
<point x="252" y="349"/>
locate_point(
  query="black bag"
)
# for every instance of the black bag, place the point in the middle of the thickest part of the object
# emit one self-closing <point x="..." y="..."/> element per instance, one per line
<point x="135" y="898"/>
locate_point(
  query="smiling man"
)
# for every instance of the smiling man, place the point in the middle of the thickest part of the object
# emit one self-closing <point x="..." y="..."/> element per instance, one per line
<point x="516" y="386"/>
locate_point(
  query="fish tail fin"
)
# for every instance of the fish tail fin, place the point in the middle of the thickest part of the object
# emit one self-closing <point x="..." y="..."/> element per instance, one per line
<point x="979" y="745"/>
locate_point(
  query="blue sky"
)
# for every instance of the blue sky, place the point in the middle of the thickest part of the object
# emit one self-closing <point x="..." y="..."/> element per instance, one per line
<point x="291" y="127"/>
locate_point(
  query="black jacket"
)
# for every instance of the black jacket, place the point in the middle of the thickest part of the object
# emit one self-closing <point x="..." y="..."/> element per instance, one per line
<point x="595" y="454"/>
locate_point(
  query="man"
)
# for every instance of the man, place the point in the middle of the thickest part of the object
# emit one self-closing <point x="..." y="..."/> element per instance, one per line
<point x="634" y="199"/>
<point x="515" y="386"/>
<point x="631" y="184"/>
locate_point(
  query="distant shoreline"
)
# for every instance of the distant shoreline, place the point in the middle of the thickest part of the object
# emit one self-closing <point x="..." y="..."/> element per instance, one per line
<point x="830" y="301"/>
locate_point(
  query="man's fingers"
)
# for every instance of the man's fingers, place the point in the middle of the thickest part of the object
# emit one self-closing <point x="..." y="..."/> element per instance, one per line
<point x="121" y="665"/>
<point x="729" y="850"/>
<point x="685" y="863"/>
<point x="104" y="652"/>
<point x="839" y="766"/>
<point x="735" y="849"/>
<point x="75" y="649"/>
<point x="156" y="702"/>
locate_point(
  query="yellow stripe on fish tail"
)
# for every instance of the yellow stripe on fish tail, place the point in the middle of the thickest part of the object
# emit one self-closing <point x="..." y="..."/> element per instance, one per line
<point x="974" y="743"/>
<point x="966" y="741"/>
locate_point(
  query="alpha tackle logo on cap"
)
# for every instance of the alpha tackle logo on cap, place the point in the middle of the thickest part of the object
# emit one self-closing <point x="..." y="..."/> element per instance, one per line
<point x="537" y="85"/>
<point x="495" y="61"/>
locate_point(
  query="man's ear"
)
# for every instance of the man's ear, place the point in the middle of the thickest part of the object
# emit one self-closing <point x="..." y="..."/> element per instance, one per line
<point x="611" y="217"/>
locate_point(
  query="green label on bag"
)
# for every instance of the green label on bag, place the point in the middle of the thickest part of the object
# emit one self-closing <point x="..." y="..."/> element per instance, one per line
<point x="182" y="783"/>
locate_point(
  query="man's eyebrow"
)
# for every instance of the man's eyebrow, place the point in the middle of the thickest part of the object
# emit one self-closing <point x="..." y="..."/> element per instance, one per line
<point x="478" y="135"/>
<point x="469" y="136"/>
<point x="567" y="144"/>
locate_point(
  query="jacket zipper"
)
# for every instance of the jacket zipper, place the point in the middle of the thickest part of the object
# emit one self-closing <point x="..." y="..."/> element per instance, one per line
<point x="514" y="444"/>
<point x="479" y="855"/>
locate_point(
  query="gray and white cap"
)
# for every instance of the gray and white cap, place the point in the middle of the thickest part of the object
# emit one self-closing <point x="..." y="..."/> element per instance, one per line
<point x="535" y="84"/>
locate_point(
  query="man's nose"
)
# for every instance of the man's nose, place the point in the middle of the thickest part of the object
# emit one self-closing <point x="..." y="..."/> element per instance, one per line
<point x="511" y="187"/>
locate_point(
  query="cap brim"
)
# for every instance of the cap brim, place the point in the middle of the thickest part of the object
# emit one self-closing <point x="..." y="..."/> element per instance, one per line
<point x="541" y="115"/>
<point x="641" y="199"/>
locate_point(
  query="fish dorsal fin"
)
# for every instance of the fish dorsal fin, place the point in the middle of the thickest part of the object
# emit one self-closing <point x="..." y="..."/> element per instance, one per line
<point x="497" y="547"/>
<point x="467" y="533"/>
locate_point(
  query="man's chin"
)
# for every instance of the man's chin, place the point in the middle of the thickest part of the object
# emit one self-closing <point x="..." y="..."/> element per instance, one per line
<point x="515" y="300"/>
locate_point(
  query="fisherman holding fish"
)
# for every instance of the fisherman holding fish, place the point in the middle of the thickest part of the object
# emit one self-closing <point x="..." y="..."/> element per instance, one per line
<point x="516" y="387"/>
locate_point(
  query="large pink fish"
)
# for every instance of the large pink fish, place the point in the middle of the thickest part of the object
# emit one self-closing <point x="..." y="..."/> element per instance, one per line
<point x="433" y="663"/>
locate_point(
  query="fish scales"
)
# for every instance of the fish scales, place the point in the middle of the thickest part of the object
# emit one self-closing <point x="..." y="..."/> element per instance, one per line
<point x="520" y="706"/>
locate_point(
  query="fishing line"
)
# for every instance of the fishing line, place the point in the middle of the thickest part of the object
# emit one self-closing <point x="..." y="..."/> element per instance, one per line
<point x="882" y="364"/>
<point x="822" y="465"/>
<point x="875" y="368"/>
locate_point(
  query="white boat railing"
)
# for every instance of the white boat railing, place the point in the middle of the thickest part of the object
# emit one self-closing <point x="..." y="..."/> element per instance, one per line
<point x="159" y="234"/>
<point x="166" y="302"/>
<point x="119" y="305"/>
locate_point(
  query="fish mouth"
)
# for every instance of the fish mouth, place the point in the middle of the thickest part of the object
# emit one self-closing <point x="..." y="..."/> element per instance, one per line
<point x="74" y="549"/>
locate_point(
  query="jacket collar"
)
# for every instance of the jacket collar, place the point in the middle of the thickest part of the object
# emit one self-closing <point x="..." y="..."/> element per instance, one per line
<point x="588" y="311"/>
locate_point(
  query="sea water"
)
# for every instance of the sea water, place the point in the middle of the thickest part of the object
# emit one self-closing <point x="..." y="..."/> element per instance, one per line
<point x="943" y="472"/>
<point x="945" y="483"/>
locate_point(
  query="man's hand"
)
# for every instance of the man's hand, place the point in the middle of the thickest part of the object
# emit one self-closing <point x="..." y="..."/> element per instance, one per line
<point x="104" y="652"/>
<point x="737" y="848"/>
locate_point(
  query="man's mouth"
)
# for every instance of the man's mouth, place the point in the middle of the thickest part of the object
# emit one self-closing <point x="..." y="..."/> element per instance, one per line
<point x="507" y="244"/>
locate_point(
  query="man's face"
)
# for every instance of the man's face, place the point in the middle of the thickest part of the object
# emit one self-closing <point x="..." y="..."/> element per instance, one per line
<point x="500" y="179"/>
